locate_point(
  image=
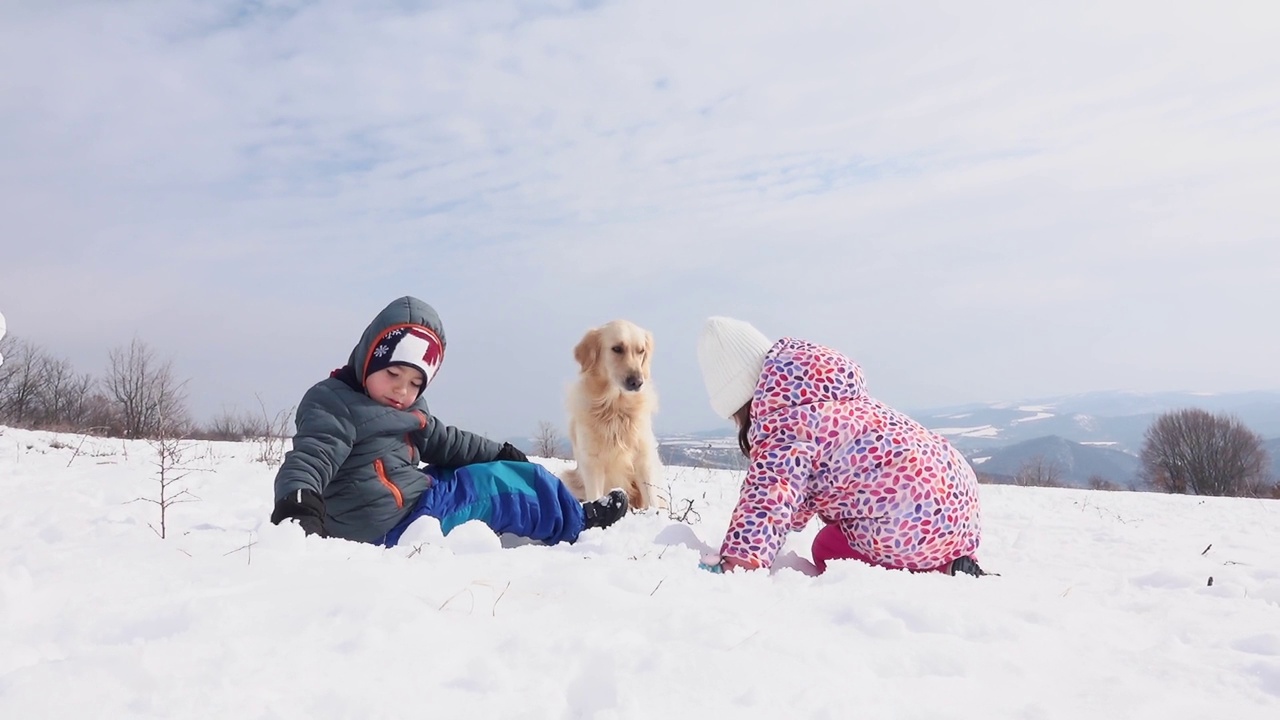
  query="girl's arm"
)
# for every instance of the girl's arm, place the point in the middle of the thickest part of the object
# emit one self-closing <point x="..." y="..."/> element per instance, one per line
<point x="770" y="502"/>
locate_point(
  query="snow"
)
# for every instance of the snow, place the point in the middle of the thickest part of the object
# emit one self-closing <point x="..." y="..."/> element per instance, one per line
<point x="1088" y="422"/>
<point x="1103" y="609"/>
<point x="1039" y="412"/>
<point x="976" y="431"/>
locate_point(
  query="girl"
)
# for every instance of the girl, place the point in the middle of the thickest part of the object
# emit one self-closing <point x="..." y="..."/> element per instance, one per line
<point x="891" y="492"/>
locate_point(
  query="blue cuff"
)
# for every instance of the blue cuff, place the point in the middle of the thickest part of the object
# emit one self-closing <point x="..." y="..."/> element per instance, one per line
<point x="712" y="564"/>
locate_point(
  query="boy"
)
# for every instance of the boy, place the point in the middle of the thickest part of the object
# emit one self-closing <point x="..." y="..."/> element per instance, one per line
<point x="354" y="473"/>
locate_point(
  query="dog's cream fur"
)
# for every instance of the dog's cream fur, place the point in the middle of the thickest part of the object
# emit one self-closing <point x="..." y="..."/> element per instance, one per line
<point x="611" y="407"/>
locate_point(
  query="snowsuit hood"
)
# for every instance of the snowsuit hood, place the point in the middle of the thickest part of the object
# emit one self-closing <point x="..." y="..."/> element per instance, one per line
<point x="789" y="381"/>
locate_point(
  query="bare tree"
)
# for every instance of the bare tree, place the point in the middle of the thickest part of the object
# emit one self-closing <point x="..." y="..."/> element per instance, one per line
<point x="38" y="390"/>
<point x="1039" y="471"/>
<point x="99" y="415"/>
<point x="1196" y="452"/>
<point x="21" y="377"/>
<point x="143" y="389"/>
<point x="547" y="441"/>
<point x="64" y="395"/>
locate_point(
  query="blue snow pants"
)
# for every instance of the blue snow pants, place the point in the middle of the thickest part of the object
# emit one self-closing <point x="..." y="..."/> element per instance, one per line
<point x="520" y="498"/>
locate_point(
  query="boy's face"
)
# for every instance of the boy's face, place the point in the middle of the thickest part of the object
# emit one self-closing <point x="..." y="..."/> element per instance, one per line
<point x="395" y="386"/>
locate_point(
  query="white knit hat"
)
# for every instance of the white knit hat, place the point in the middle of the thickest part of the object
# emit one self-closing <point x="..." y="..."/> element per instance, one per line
<point x="731" y="354"/>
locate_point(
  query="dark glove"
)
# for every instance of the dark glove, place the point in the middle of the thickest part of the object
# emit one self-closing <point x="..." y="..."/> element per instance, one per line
<point x="509" y="452"/>
<point x="303" y="506"/>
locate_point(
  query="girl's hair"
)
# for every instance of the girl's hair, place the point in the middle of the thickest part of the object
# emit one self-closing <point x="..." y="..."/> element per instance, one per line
<point x="743" y="418"/>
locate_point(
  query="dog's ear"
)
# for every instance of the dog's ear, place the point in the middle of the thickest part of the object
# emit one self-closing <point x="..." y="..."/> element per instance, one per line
<point x="648" y="353"/>
<point x="587" y="353"/>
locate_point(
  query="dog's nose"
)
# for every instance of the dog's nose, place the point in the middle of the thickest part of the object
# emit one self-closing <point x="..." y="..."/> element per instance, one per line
<point x="634" y="382"/>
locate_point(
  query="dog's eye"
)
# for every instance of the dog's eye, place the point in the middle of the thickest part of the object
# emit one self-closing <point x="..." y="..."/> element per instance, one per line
<point x="617" y="349"/>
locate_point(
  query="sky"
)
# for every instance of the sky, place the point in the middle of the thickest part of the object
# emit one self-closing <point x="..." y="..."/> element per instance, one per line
<point x="1103" y="608"/>
<point x="985" y="201"/>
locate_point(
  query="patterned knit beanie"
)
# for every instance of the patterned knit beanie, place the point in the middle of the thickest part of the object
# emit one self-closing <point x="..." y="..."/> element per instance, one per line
<point x="731" y="355"/>
<point x="410" y="345"/>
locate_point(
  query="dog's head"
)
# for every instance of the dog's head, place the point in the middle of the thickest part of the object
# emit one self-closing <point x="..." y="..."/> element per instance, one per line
<point x="618" y="352"/>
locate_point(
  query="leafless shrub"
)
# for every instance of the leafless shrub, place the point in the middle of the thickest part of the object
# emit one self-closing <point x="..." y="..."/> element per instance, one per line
<point x="1097" y="482"/>
<point x="274" y="435"/>
<point x="680" y="510"/>
<point x="172" y="464"/>
<point x="227" y="425"/>
<point x="547" y="442"/>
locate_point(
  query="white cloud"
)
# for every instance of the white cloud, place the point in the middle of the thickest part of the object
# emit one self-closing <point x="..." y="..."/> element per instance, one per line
<point x="975" y="200"/>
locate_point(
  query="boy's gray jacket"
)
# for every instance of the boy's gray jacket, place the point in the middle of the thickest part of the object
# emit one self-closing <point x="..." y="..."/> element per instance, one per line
<point x="363" y="457"/>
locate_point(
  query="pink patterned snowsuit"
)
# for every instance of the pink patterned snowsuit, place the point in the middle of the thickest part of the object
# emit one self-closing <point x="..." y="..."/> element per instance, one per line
<point x="902" y="495"/>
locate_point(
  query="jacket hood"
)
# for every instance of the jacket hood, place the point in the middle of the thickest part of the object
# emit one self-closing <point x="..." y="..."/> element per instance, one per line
<point x="400" y="313"/>
<point x="798" y="373"/>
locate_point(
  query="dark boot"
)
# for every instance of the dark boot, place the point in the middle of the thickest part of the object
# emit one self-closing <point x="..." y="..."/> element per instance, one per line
<point x="605" y="511"/>
<point x="967" y="566"/>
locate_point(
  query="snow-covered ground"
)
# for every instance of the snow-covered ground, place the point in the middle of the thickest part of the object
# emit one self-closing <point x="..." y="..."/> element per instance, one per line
<point x="1103" y="609"/>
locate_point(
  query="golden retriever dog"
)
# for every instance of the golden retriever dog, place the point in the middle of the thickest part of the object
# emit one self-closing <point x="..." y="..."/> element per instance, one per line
<point x="611" y="407"/>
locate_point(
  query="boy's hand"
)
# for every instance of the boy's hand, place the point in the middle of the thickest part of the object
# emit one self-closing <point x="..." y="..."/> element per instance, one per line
<point x="512" y="453"/>
<point x="310" y="525"/>
<point x="303" y="507"/>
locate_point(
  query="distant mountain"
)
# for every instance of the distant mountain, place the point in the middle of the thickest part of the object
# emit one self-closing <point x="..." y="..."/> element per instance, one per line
<point x="1107" y="419"/>
<point x="1063" y="461"/>
<point x="1273" y="447"/>
<point x="711" y="449"/>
